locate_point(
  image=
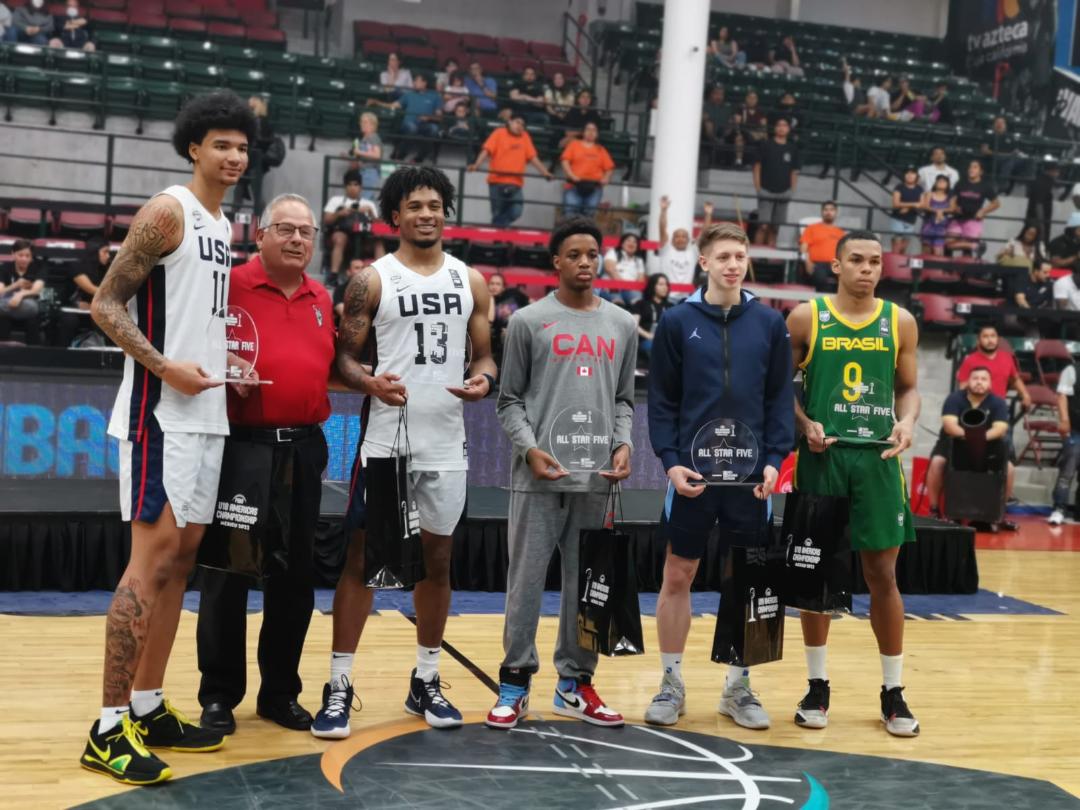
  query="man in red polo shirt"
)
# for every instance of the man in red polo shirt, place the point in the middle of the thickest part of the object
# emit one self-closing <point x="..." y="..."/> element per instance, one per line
<point x="294" y="318"/>
<point x="1004" y="373"/>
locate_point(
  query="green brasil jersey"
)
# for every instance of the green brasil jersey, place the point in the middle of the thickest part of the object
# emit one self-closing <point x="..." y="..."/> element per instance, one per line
<point x="849" y="371"/>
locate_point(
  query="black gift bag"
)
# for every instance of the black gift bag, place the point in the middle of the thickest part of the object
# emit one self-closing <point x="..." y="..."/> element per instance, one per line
<point x="750" y="619"/>
<point x="252" y="515"/>
<point x="393" y="551"/>
<point x="608" y="616"/>
<point x="820" y="569"/>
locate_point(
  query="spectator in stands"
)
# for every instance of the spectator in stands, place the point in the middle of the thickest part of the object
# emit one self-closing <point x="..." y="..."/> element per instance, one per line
<point x="510" y="149"/>
<point x="482" y="89"/>
<point x="1025" y="249"/>
<point x="938" y="109"/>
<point x="71" y="29"/>
<point x="752" y="120"/>
<point x="678" y="258"/>
<point x="344" y="216"/>
<point x="395" y="77"/>
<point x="1069" y="428"/>
<point x="580" y="114"/>
<point x="5" y="21"/>
<point x="788" y="107"/>
<point x="86" y="276"/>
<point x="776" y="172"/>
<point x="647" y="311"/>
<point x="880" y="99"/>
<point x="20" y="288"/>
<point x="588" y="167"/>
<point x="974" y="198"/>
<point x="937" y="205"/>
<point x="905" y="104"/>
<point x="725" y="50"/>
<point x="624" y="263"/>
<point x="504" y="302"/>
<point x="354" y="268"/>
<point x="928" y="174"/>
<point x="854" y="95"/>
<point x="1001" y="151"/>
<point x="1035" y="290"/>
<point x="907" y="201"/>
<point x="817" y="243"/>
<point x="455" y="93"/>
<point x="461" y="127"/>
<point x="717" y="124"/>
<point x="559" y="97"/>
<point x="368" y="150"/>
<point x="1067" y="289"/>
<point x="976" y="395"/>
<point x="784" y="58"/>
<point x="262" y="157"/>
<point x="31" y="24"/>
<point x="421" y="121"/>
<point x="1040" y="206"/>
<point x="1065" y="249"/>
<point x="445" y="76"/>
<point x="1004" y="373"/>
<point x="527" y="98"/>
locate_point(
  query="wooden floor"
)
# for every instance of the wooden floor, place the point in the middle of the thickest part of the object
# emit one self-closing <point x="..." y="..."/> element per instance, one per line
<point x="997" y="693"/>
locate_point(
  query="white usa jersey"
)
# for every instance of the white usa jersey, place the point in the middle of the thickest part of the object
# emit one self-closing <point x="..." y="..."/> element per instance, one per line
<point x="174" y="309"/>
<point x="421" y="333"/>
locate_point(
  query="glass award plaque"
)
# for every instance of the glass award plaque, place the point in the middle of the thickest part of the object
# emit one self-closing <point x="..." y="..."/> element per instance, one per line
<point x="724" y="452"/>
<point x="580" y="440"/>
<point x="234" y="343"/>
<point x="860" y="410"/>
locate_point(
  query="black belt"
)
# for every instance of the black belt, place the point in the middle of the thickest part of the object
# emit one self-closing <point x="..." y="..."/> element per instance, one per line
<point x="273" y="435"/>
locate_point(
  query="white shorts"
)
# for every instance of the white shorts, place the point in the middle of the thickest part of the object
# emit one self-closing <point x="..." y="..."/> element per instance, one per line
<point x="181" y="469"/>
<point x="440" y="498"/>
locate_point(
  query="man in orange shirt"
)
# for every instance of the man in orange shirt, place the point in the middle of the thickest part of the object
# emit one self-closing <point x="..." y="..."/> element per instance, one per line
<point x="818" y="245"/>
<point x="510" y="149"/>
<point x="588" y="167"/>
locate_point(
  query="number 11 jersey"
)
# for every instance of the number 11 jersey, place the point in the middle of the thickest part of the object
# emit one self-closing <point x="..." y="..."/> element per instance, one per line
<point x="421" y="334"/>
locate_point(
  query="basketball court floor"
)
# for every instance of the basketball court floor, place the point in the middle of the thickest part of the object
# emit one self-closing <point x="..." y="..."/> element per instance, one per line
<point x="993" y="679"/>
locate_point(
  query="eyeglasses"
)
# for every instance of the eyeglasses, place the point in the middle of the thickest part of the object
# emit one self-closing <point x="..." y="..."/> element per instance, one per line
<point x="286" y="230"/>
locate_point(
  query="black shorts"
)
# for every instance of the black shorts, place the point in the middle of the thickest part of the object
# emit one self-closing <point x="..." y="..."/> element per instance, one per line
<point x="356" y="512"/>
<point x="688" y="522"/>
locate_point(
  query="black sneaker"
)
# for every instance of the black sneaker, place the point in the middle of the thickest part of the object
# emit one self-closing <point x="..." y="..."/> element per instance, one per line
<point x="119" y="753"/>
<point x="165" y="727"/>
<point x="813" y="710"/>
<point x="895" y="714"/>
<point x="426" y="700"/>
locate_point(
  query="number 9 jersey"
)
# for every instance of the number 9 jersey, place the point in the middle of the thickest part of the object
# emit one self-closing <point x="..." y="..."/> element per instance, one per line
<point x="421" y="333"/>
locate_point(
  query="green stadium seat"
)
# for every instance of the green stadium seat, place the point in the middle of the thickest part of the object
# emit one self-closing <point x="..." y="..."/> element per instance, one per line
<point x="23" y="55"/>
<point x="159" y="47"/>
<point x="334" y="119"/>
<point x="289" y="115"/>
<point x="115" y="41"/>
<point x="327" y="89"/>
<point x="245" y="81"/>
<point x="70" y="60"/>
<point x="83" y="88"/>
<point x="120" y="64"/>
<point x="161" y="70"/>
<point x="203" y="76"/>
<point x="161" y="99"/>
<point x="240" y="56"/>
<point x="194" y="51"/>
<point x="121" y="94"/>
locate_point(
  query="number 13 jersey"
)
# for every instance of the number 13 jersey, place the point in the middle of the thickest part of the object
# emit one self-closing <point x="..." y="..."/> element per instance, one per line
<point x="421" y="334"/>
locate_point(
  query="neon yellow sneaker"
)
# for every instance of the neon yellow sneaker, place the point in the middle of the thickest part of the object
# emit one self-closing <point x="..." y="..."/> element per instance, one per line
<point x="167" y="727"/>
<point x="120" y="754"/>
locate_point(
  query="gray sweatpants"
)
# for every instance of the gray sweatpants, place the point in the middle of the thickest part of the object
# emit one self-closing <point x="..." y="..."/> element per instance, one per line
<point x="538" y="522"/>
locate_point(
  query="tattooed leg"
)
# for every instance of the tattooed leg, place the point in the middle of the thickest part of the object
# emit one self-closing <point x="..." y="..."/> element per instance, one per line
<point x="125" y="634"/>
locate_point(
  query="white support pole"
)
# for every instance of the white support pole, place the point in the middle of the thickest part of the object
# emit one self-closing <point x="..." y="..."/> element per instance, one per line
<point x="678" y="128"/>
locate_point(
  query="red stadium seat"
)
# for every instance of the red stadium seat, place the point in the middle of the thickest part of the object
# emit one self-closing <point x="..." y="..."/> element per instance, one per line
<point x="110" y="17"/>
<point x="119" y="226"/>
<point x="250" y="5"/>
<point x="81" y="224"/>
<point x="409" y="33"/>
<point x="187" y="28"/>
<point x="463" y="59"/>
<point x="512" y="46"/>
<point x="1041" y="425"/>
<point x="111" y="5"/>
<point x="192" y="9"/>
<point x="443" y="40"/>
<point x="550" y="68"/>
<point x="226" y="31"/>
<point x="419" y="55"/>
<point x="148" y="22"/>
<point x="547" y="51"/>
<point x="1058" y="356"/>
<point x="937" y="311"/>
<point x="273" y="36"/>
<point x="26" y="222"/>
<point x="490" y="62"/>
<point x="225" y="13"/>
<point x="516" y="64"/>
<point x="378" y="49"/>
<point x="262" y="18"/>
<point x="895" y="268"/>
<point x="479" y="43"/>
<point x="370" y="29"/>
<point x="56" y="9"/>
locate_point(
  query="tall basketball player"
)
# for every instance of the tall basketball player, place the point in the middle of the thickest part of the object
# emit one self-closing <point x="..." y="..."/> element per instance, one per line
<point x="158" y="302"/>
<point x="852" y="346"/>
<point x="422" y="307"/>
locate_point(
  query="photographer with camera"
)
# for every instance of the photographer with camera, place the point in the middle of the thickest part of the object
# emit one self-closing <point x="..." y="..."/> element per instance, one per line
<point x="345" y="216"/>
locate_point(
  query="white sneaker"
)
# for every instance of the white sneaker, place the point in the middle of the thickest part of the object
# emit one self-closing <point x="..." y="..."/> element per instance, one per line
<point x="742" y="706"/>
<point x="1057" y="517"/>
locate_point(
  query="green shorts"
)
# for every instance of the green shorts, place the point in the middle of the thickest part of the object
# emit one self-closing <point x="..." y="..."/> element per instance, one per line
<point x="880" y="512"/>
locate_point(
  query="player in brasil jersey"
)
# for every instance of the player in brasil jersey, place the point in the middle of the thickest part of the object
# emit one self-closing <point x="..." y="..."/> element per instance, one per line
<point x="860" y="403"/>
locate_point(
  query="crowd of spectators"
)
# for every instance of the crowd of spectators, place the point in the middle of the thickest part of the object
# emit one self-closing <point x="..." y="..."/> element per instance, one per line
<point x="34" y="25"/>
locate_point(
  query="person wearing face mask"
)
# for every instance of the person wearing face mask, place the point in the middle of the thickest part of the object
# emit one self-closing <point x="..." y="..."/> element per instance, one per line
<point x="71" y="30"/>
<point x="31" y="24"/>
<point x="5" y="21"/>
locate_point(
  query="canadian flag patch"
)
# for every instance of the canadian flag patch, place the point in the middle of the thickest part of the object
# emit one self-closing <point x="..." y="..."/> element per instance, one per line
<point x="584" y="371"/>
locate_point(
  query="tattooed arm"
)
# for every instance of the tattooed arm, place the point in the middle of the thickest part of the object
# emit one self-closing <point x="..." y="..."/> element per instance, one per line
<point x="156" y="231"/>
<point x="361" y="303"/>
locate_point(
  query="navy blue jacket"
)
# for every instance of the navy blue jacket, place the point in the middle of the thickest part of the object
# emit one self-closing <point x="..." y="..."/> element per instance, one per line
<point x="704" y="365"/>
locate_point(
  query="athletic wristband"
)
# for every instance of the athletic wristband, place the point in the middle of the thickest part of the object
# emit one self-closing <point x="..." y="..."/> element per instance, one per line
<point x="491" y="382"/>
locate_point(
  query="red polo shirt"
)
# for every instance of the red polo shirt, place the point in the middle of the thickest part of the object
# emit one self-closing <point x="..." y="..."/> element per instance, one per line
<point x="1002" y="369"/>
<point x="296" y="350"/>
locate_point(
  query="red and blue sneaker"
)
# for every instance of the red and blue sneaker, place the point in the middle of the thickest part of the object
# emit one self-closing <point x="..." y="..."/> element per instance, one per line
<point x="512" y="705"/>
<point x="578" y="699"/>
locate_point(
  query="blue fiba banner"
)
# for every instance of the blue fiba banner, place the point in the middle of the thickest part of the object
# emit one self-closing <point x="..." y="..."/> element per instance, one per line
<point x="57" y="430"/>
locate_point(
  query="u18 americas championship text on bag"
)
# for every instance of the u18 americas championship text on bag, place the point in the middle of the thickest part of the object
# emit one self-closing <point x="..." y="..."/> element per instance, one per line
<point x="393" y="552"/>
<point x="750" y="618"/>
<point x="609" y="618"/>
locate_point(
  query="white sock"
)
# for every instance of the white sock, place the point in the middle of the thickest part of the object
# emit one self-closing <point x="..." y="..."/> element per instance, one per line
<point x="427" y="662"/>
<point x="110" y="718"/>
<point x="144" y="701"/>
<point x="892" y="667"/>
<point x="815" y="663"/>
<point x="736" y="674"/>
<point x="672" y="665"/>
<point x="340" y="667"/>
